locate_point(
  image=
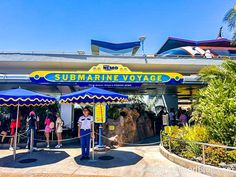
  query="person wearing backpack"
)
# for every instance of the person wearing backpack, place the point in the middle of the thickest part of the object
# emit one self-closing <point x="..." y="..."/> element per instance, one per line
<point x="49" y="125"/>
<point x="59" y="124"/>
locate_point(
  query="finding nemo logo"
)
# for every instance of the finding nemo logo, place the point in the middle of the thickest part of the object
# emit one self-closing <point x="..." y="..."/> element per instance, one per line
<point x="109" y="75"/>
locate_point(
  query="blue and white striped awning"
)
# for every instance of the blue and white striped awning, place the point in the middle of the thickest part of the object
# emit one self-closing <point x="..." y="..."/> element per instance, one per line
<point x="99" y="47"/>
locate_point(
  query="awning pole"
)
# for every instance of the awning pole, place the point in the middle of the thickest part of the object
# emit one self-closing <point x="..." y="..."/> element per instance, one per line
<point x="16" y="133"/>
<point x="93" y="138"/>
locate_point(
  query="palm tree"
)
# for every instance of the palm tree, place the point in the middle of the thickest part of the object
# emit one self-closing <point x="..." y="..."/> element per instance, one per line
<point x="225" y="72"/>
<point x="230" y="18"/>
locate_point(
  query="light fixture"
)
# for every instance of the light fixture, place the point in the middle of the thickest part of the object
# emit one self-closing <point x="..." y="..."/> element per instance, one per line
<point x="142" y="39"/>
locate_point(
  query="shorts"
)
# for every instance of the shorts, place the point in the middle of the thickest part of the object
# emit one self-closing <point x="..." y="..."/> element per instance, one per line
<point x="59" y="130"/>
<point x="12" y="132"/>
<point x="47" y="129"/>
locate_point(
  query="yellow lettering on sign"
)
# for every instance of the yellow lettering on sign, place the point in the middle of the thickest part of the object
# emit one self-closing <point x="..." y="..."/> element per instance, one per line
<point x="90" y="78"/>
<point x="132" y="78"/>
<point x="57" y="77"/>
<point x="145" y="78"/>
<point x="103" y="77"/>
<point x="125" y="77"/>
<point x="153" y="78"/>
<point x="109" y="77"/>
<point x="97" y="77"/>
<point x="115" y="77"/>
<point x="139" y="77"/>
<point x="81" y="77"/>
<point x="159" y="78"/>
<point x="64" y="77"/>
<point x="72" y="77"/>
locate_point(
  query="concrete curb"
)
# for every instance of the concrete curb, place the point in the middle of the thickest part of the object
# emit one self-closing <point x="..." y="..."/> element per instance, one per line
<point x="198" y="167"/>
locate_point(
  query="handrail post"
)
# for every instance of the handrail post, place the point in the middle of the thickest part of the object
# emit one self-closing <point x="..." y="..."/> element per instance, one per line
<point x="18" y="139"/>
<point x="161" y="143"/>
<point x="52" y="134"/>
<point x="31" y="139"/>
<point x="203" y="154"/>
<point x="169" y="144"/>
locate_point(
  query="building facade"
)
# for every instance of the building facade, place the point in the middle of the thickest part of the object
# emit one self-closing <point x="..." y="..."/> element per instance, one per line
<point x="169" y="74"/>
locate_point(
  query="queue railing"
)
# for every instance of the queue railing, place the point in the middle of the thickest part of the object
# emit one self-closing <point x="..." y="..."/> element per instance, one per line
<point x="202" y="144"/>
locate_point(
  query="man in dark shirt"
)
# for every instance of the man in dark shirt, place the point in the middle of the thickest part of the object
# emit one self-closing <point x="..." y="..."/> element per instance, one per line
<point x="159" y="123"/>
<point x="32" y="124"/>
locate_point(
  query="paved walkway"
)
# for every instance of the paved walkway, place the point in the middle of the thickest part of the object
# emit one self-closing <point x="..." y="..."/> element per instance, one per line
<point x="142" y="161"/>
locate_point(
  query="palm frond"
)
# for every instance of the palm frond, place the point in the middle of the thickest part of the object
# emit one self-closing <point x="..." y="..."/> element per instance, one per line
<point x="230" y="19"/>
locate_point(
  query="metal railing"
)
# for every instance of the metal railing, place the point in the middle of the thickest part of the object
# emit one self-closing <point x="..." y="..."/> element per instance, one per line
<point x="203" y="145"/>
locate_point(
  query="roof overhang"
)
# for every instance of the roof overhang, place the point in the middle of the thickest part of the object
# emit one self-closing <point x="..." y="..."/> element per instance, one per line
<point x="172" y="43"/>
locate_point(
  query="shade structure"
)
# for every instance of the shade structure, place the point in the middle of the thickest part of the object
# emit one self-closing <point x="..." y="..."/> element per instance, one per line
<point x="22" y="97"/>
<point x="93" y="95"/>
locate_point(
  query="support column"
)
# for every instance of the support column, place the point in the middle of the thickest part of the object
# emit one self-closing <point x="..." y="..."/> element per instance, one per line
<point x="67" y="114"/>
<point x="171" y="101"/>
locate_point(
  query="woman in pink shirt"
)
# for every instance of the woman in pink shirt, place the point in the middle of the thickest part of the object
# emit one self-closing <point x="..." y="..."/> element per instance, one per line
<point x="48" y="129"/>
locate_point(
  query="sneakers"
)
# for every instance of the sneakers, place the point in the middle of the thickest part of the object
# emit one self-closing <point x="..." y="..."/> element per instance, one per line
<point x="48" y="146"/>
<point x="58" y="146"/>
<point x="12" y="148"/>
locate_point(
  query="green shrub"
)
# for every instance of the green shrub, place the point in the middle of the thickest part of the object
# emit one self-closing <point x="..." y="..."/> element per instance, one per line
<point x="215" y="104"/>
<point x="189" y="150"/>
<point x="113" y="112"/>
<point x="231" y="156"/>
<point x="186" y="149"/>
<point x="215" y="155"/>
<point x="197" y="133"/>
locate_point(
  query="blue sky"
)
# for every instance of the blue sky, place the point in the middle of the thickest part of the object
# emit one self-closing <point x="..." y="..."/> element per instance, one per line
<point x="69" y="25"/>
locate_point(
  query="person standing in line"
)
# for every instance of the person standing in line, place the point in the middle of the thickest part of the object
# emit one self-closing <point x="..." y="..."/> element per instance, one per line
<point x="183" y="118"/>
<point x="85" y="125"/>
<point x="48" y="128"/>
<point x="165" y="119"/>
<point x="3" y="128"/>
<point x="159" y="122"/>
<point x="31" y="126"/>
<point x="59" y="124"/>
<point x="172" y="116"/>
<point x="13" y="128"/>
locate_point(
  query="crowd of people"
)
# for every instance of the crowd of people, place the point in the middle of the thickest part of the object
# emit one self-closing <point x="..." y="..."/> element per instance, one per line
<point x="179" y="118"/>
<point x="8" y="126"/>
